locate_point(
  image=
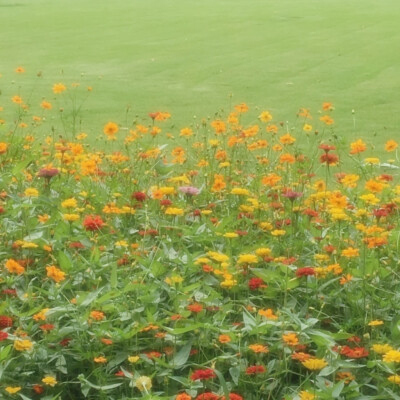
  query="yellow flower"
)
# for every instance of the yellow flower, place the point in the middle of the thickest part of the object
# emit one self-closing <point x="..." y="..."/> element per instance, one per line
<point x="315" y="364"/>
<point x="392" y="356"/>
<point x="306" y="395"/>
<point x="133" y="359"/>
<point x="375" y="323"/>
<point x="49" y="380"/>
<point x="12" y="389"/>
<point x="394" y="379"/>
<point x="71" y="217"/>
<point x="22" y="345"/>
<point x="265" y="116"/>
<point x="263" y="251"/>
<point x="219" y="257"/>
<point x="247" y="259"/>
<point x="372" y="160"/>
<point x="382" y="348"/>
<point x="100" y="360"/>
<point x="230" y="235"/>
<point x="31" y="192"/>
<point x="41" y="315"/>
<point x="173" y="211"/>
<point x="307" y="128"/>
<point x="59" y="88"/>
<point x="240" y="191"/>
<point x="278" y="232"/>
<point x="350" y="252"/>
<point x="69" y="203"/>
<point x="143" y="383"/>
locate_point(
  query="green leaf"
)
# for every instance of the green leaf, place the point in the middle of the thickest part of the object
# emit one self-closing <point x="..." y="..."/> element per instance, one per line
<point x="114" y="277"/>
<point x="337" y="389"/>
<point x="182" y="356"/>
<point x="223" y="383"/>
<point x="5" y="351"/>
<point x="179" y="331"/>
<point x="235" y="373"/>
<point x="248" y="319"/>
<point x="64" y="261"/>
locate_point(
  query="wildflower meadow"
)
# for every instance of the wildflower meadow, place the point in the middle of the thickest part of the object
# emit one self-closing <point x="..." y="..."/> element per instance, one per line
<point x="236" y="257"/>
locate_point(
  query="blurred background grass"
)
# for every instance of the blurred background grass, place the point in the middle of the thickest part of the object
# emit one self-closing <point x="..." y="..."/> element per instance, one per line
<point x="194" y="58"/>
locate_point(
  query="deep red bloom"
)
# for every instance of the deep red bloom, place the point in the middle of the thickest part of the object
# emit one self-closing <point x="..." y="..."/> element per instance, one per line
<point x="310" y="212"/>
<point x="380" y="212"/>
<point x="139" y="196"/>
<point x="291" y="195"/>
<point x="207" y="396"/>
<point x="93" y="222"/>
<point x="38" y="389"/>
<point x="65" y="342"/>
<point x="48" y="173"/>
<point x="5" y="321"/>
<point x="10" y="292"/>
<point x="256" y="283"/>
<point x="255" y="369"/>
<point x="203" y="374"/>
<point x="306" y="271"/>
<point x="119" y="373"/>
<point x="329" y="248"/>
<point x="3" y="335"/>
<point x="165" y="202"/>
<point x="1" y="210"/>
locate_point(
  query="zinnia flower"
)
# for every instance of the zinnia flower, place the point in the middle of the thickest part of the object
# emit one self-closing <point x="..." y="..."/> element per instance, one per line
<point x="143" y="383"/>
<point x="203" y="374"/>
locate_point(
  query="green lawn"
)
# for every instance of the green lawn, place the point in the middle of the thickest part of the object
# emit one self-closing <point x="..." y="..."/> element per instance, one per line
<point x="190" y="57"/>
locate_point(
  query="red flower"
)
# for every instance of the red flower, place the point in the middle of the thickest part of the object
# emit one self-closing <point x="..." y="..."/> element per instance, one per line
<point x="207" y="396"/>
<point x="93" y="222"/>
<point x="10" y="292"/>
<point x="139" y="196"/>
<point x="233" y="396"/>
<point x="326" y="147"/>
<point x="47" y="327"/>
<point x="119" y="373"/>
<point x="65" y="342"/>
<point x="256" y="283"/>
<point x="5" y="321"/>
<point x="196" y="308"/>
<point x="153" y="354"/>
<point x="76" y="245"/>
<point x="306" y="271"/>
<point x="38" y="389"/>
<point x="165" y="202"/>
<point x="255" y="369"/>
<point x="3" y="335"/>
<point x="329" y="159"/>
<point x="357" y="352"/>
<point x="203" y="374"/>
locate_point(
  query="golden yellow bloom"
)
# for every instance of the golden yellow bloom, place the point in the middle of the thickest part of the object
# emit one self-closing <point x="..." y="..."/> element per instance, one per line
<point x="240" y="191"/>
<point x="307" y="128"/>
<point x="372" y="160"/>
<point x="133" y="359"/>
<point x="392" y="356"/>
<point x="31" y="192"/>
<point x="278" y="232"/>
<point x="375" y="323"/>
<point x="71" y="217"/>
<point x="43" y="218"/>
<point x="263" y="251"/>
<point x="315" y="364"/>
<point x="22" y="345"/>
<point x="49" y="380"/>
<point x="350" y="252"/>
<point x="41" y="315"/>
<point x="394" y="379"/>
<point x="12" y="389"/>
<point x="382" y="348"/>
<point x="17" y="100"/>
<point x="69" y="203"/>
<point x="247" y="259"/>
<point x="186" y="132"/>
<point x="375" y="186"/>
<point x="59" y="88"/>
<point x="265" y="116"/>
<point x="110" y="129"/>
<point x="174" y="211"/>
<point x="230" y="235"/>
<point x="306" y="395"/>
<point x="100" y="360"/>
<point x="370" y="198"/>
<point x="55" y="273"/>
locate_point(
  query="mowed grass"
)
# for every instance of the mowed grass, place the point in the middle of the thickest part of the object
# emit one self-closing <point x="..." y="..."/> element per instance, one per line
<point x="194" y="58"/>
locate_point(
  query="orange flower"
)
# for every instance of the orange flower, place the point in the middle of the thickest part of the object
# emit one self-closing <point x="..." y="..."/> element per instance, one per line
<point x="14" y="267"/>
<point x="350" y="252"/>
<point x="374" y="186"/>
<point x="186" y="132"/>
<point x="357" y="147"/>
<point x="290" y="339"/>
<point x="110" y="129"/>
<point x="327" y="120"/>
<point x="224" y="339"/>
<point x="268" y="313"/>
<point x="46" y="105"/>
<point x="97" y="315"/>
<point x="259" y="348"/>
<point x="287" y="158"/>
<point x="183" y="396"/>
<point x="17" y="100"/>
<point x="326" y="106"/>
<point x="242" y="108"/>
<point x="100" y="360"/>
<point x="20" y="70"/>
<point x="391" y="145"/>
<point x="59" y="88"/>
<point x="287" y="139"/>
<point x="55" y="273"/>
